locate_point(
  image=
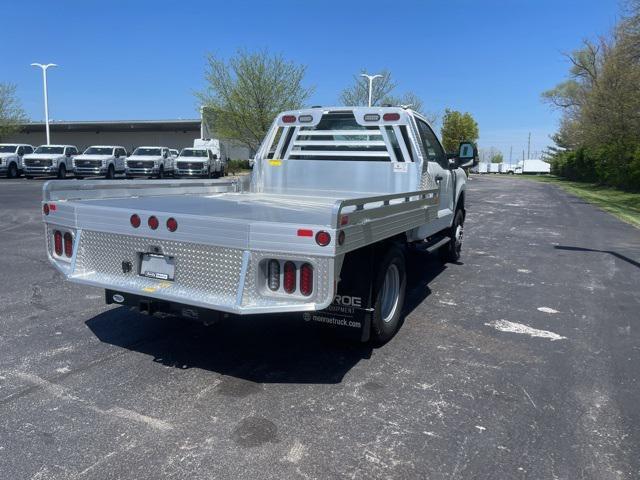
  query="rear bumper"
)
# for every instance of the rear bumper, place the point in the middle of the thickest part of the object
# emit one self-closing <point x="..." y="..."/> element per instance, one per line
<point x="207" y="277"/>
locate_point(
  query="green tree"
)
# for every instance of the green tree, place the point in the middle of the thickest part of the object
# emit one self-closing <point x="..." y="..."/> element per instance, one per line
<point x="382" y="93"/>
<point x="11" y="112"/>
<point x="245" y="93"/>
<point x="497" y="158"/>
<point x="458" y="127"/>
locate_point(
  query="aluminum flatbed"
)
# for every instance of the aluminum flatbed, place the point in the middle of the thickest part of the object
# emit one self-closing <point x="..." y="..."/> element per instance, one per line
<point x="293" y="239"/>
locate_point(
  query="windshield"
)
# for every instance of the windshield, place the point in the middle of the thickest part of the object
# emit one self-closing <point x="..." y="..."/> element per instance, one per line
<point x="188" y="152"/>
<point x="7" y="148"/>
<point x="147" y="151"/>
<point x="98" y="151"/>
<point x="44" y="149"/>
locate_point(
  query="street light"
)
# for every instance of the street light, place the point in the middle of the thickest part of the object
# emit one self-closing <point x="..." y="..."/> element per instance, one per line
<point x="46" y="100"/>
<point x="371" y="79"/>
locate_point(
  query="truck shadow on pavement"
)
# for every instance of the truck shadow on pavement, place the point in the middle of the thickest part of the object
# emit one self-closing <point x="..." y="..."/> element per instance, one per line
<point x="610" y="252"/>
<point x="254" y="349"/>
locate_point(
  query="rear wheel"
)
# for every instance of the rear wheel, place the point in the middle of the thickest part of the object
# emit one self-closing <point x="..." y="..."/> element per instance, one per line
<point x="389" y="290"/>
<point x="13" y="171"/>
<point x="451" y="251"/>
<point x="111" y="172"/>
<point x="62" y="171"/>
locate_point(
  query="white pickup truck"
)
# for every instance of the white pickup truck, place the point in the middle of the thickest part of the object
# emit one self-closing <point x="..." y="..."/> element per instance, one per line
<point x="49" y="160"/>
<point x="104" y="160"/>
<point x="11" y="158"/>
<point x="149" y="162"/>
<point x="207" y="158"/>
<point x="336" y="197"/>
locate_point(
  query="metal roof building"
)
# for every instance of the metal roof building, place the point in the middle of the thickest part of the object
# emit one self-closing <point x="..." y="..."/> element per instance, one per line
<point x="127" y="133"/>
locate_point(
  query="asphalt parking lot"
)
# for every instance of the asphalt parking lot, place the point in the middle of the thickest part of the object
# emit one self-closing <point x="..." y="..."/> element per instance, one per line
<point x="520" y="362"/>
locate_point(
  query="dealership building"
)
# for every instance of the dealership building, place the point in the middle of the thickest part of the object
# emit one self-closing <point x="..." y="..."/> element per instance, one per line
<point x="126" y="133"/>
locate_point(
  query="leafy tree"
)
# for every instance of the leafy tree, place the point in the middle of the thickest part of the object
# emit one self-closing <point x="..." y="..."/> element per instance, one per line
<point x="11" y="112"/>
<point x="458" y="127"/>
<point x="246" y="92"/>
<point x="382" y="93"/>
<point x="599" y="134"/>
<point x="497" y="158"/>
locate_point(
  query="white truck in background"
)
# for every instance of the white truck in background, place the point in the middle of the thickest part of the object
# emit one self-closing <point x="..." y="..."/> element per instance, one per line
<point x="207" y="158"/>
<point x="149" y="162"/>
<point x="49" y="160"/>
<point x="104" y="160"/>
<point x="11" y="158"/>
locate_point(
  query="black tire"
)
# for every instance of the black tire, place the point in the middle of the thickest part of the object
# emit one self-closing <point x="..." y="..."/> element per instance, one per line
<point x="79" y="177"/>
<point x="111" y="172"/>
<point x="382" y="330"/>
<point x="62" y="171"/>
<point x="161" y="172"/>
<point x="28" y="177"/>
<point x="12" y="172"/>
<point x="452" y="251"/>
<point x="216" y="174"/>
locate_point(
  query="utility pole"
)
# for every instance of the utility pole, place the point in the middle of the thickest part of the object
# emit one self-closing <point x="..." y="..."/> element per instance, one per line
<point x="529" y="146"/>
<point x="371" y="79"/>
<point x="46" y="99"/>
<point x="510" y="154"/>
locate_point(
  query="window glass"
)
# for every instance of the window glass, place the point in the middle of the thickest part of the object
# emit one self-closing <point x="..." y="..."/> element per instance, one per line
<point x="394" y="143"/>
<point x="432" y="147"/>
<point x="7" y="148"/>
<point x="20" y="151"/>
<point x="46" y="149"/>
<point x="339" y="137"/>
<point x="147" y="151"/>
<point x="98" y="151"/>
<point x="274" y="144"/>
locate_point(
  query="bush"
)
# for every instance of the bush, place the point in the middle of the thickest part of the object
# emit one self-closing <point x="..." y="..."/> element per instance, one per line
<point x="234" y="166"/>
<point x="614" y="165"/>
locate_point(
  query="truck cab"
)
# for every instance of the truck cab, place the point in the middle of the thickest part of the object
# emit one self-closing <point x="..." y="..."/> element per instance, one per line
<point x="11" y="155"/>
<point x="103" y="160"/>
<point x="149" y="162"/>
<point x="49" y="160"/>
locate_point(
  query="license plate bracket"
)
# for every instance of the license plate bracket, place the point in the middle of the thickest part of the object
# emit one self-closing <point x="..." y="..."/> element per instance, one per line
<point x="155" y="265"/>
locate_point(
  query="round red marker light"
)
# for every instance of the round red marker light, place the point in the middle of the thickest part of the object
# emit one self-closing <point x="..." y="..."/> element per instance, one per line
<point x="135" y="221"/>
<point x="323" y="238"/>
<point x="153" y="222"/>
<point x="172" y="224"/>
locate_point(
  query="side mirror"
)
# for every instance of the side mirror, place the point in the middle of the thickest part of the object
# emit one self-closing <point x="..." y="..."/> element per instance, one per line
<point x="215" y="156"/>
<point x="467" y="155"/>
<point x="68" y="154"/>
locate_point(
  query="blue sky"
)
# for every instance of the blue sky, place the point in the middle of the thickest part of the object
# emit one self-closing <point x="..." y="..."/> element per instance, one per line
<point x="143" y="59"/>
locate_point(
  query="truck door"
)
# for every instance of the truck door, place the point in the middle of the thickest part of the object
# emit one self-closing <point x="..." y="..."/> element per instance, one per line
<point x="437" y="168"/>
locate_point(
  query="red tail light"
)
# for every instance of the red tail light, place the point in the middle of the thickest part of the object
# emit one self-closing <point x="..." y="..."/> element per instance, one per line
<point x="288" y="118"/>
<point x="57" y="243"/>
<point x="273" y="275"/>
<point x="172" y="224"/>
<point x="323" y="238"/>
<point x="305" y="232"/>
<point x="391" y="117"/>
<point x="135" y="221"/>
<point x="45" y="209"/>
<point x="289" y="277"/>
<point x="68" y="245"/>
<point x="306" y="279"/>
<point x="153" y="222"/>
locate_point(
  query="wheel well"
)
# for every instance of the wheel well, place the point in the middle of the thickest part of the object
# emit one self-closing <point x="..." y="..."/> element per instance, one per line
<point x="460" y="204"/>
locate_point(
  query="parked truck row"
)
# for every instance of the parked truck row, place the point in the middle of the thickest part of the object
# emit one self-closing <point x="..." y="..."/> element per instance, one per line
<point x="207" y="158"/>
<point x="336" y="199"/>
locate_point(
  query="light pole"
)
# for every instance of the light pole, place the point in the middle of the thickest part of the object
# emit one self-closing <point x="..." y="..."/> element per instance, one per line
<point x="371" y="79"/>
<point x="46" y="99"/>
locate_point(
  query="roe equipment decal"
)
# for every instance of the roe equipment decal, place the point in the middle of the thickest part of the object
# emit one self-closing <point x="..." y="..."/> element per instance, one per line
<point x="351" y="308"/>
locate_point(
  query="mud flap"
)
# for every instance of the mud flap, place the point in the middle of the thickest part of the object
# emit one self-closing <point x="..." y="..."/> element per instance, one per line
<point x="352" y="310"/>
